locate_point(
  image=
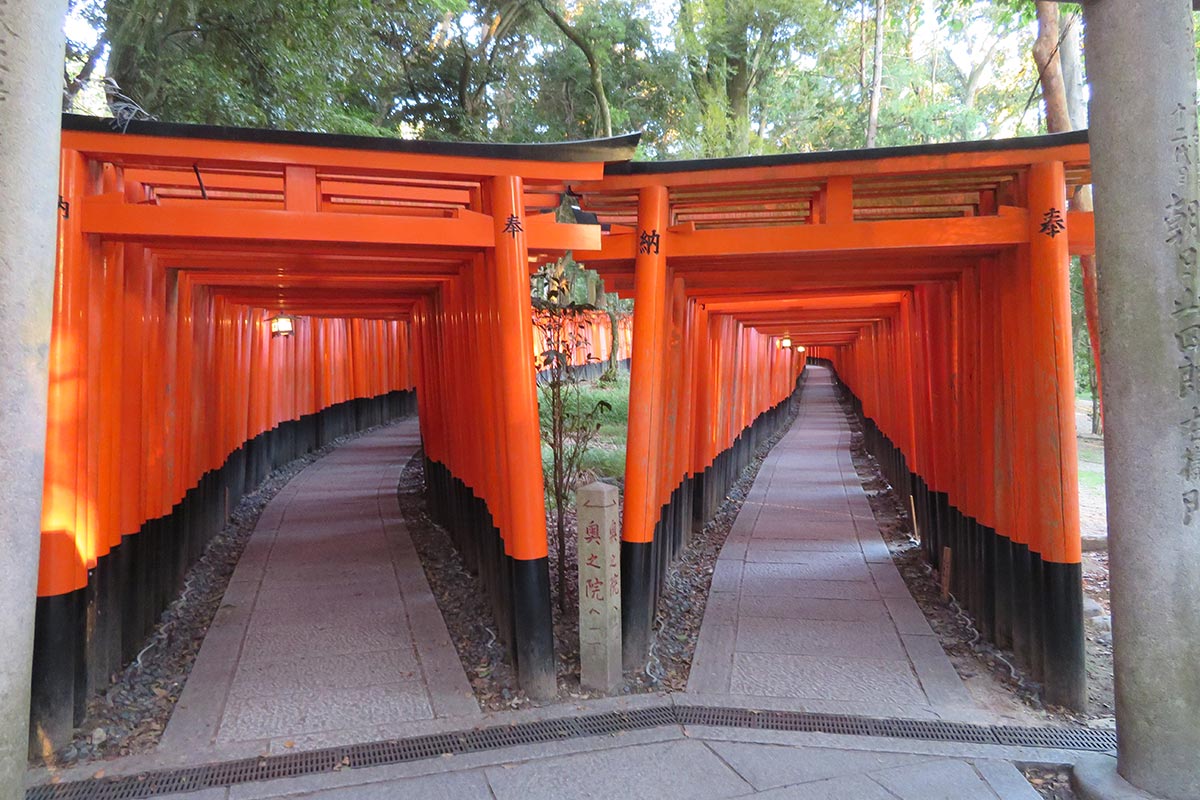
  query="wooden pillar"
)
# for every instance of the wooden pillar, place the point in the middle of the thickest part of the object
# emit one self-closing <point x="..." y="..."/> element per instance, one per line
<point x="527" y="536"/>
<point x="1053" y="446"/>
<point x="702" y="428"/>
<point x="642" y="458"/>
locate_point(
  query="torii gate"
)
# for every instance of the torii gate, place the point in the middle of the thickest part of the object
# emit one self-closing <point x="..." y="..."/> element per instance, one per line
<point x="935" y="279"/>
<point x="408" y="264"/>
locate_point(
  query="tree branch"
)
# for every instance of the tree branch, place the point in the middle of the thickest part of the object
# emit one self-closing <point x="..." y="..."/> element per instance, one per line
<point x="85" y="74"/>
<point x="589" y="53"/>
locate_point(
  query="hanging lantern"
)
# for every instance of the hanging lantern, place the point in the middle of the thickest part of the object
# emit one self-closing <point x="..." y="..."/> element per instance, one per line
<point x="283" y="325"/>
<point x="800" y="348"/>
<point x="785" y="342"/>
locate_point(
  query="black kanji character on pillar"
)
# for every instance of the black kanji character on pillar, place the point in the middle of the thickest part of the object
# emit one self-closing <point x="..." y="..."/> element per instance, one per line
<point x="648" y="240"/>
<point x="513" y="225"/>
<point x="1052" y="223"/>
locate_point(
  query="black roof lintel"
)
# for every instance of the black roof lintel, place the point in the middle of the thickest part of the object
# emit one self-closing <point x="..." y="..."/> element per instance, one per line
<point x="616" y="148"/>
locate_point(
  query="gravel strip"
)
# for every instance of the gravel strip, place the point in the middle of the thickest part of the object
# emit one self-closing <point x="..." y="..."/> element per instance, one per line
<point x="130" y="716"/>
<point x="468" y="616"/>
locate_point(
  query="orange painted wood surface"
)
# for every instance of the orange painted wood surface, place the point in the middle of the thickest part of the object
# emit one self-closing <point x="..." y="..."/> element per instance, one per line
<point x="928" y="280"/>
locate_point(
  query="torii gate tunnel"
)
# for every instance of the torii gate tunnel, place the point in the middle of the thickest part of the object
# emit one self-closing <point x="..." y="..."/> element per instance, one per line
<point x="933" y="279"/>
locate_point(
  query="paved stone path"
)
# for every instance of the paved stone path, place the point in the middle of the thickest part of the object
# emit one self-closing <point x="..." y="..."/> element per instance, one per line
<point x="693" y="763"/>
<point x="328" y="632"/>
<point x="806" y="603"/>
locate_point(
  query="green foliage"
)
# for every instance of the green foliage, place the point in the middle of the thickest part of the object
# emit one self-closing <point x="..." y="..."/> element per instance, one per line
<point x="605" y="457"/>
<point x="960" y="72"/>
<point x="705" y="78"/>
<point x="240" y="62"/>
<point x="570" y="420"/>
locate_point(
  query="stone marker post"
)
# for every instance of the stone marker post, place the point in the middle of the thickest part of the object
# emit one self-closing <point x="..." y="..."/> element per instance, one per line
<point x="1141" y="60"/>
<point x="599" y="587"/>
<point x="31" y="64"/>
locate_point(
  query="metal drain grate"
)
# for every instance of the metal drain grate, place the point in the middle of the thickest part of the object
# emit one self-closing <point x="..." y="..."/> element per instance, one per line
<point x="934" y="731"/>
<point x="773" y="720"/>
<point x="652" y="717"/>
<point x="435" y="745"/>
<point x="1060" y="738"/>
<point x="931" y="730"/>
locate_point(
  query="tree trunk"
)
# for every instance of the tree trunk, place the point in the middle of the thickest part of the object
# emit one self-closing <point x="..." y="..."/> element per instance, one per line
<point x="558" y="446"/>
<point x="85" y="74"/>
<point x="562" y="556"/>
<point x="1069" y="53"/>
<point x="877" y="75"/>
<point x="1069" y="57"/>
<point x="1095" y="389"/>
<point x="862" y="47"/>
<point x="1062" y="90"/>
<point x="1046" y="56"/>
<point x="614" y="351"/>
<point x="738" y="83"/>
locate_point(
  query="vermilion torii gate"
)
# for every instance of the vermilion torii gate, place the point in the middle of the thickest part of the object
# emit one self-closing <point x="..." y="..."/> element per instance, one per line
<point x="408" y="267"/>
<point x="935" y="280"/>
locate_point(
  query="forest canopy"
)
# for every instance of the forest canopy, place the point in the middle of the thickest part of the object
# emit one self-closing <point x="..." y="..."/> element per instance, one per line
<point x="699" y="77"/>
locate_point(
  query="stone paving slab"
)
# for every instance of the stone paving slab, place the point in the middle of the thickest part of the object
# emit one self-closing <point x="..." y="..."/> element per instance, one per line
<point x="792" y="583"/>
<point x="251" y="717"/>
<point x="858" y="787"/>
<point x="326" y="672"/>
<point x="808" y="603"/>
<point x="456" y="786"/>
<point x="767" y="553"/>
<point x="823" y="677"/>
<point x="328" y="630"/>
<point x="937" y="780"/>
<point x="681" y="770"/>
<point x="857" y="639"/>
<point x="812" y="608"/>
<point x="768" y="766"/>
<point x="645" y="765"/>
<point x="763" y="578"/>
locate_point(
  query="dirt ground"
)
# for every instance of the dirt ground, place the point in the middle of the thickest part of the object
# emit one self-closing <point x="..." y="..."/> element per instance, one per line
<point x="1050" y="782"/>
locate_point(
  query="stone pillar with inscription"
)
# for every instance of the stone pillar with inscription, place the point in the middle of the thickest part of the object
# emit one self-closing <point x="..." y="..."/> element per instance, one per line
<point x="31" y="58"/>
<point x="599" y="587"/>
<point x="1141" y="59"/>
